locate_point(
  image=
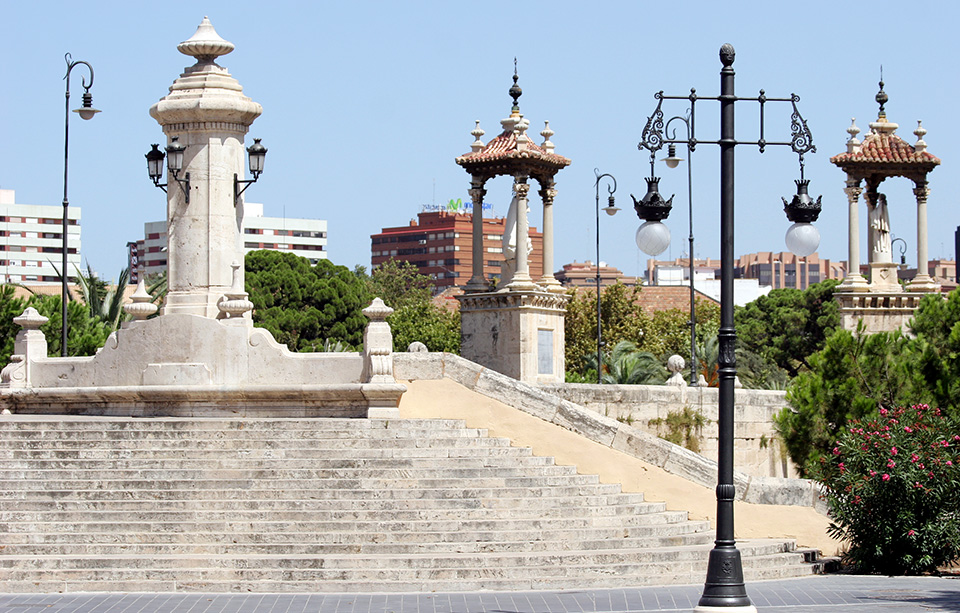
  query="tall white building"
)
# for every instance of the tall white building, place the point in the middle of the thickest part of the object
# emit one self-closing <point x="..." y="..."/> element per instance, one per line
<point x="304" y="237"/>
<point x="31" y="241"/>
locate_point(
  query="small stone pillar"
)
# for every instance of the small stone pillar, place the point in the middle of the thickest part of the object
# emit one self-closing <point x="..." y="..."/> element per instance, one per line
<point x="378" y="361"/>
<point x="30" y="345"/>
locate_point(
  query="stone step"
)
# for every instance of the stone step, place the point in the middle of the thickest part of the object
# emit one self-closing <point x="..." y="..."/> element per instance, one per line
<point x="245" y="462"/>
<point x="266" y="452"/>
<point x="41" y="424"/>
<point x="619" y="504"/>
<point x="304" y="547"/>
<point x="149" y="442"/>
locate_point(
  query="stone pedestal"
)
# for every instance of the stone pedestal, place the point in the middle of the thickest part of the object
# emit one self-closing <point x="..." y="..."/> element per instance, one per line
<point x="517" y="333"/>
<point x="878" y="310"/>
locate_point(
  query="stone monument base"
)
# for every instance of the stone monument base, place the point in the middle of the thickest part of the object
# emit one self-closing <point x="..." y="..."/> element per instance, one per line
<point x="192" y="366"/>
<point x="880" y="311"/>
<point x="518" y="333"/>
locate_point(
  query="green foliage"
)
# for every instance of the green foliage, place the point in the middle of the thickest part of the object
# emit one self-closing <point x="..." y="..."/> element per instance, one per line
<point x="684" y="427"/>
<point x="854" y="376"/>
<point x="627" y="365"/>
<point x="10" y="307"/>
<point x="85" y="332"/>
<point x="104" y="303"/>
<point x="301" y="304"/>
<point x="427" y="323"/>
<point x="399" y="283"/>
<point x="401" y="286"/>
<point x="622" y="319"/>
<point x="935" y="352"/>
<point x="893" y="487"/>
<point x="788" y="325"/>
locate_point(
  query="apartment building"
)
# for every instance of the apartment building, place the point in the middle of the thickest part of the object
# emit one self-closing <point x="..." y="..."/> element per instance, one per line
<point x="31" y="241"/>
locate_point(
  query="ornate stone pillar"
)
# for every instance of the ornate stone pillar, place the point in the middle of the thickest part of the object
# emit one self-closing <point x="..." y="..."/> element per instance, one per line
<point x="208" y="113"/>
<point x="521" y="276"/>
<point x="548" y="192"/>
<point x="854" y="281"/>
<point x="478" y="281"/>
<point x="922" y="282"/>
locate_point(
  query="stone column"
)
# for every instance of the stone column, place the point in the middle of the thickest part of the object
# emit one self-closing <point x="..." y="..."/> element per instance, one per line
<point x="548" y="192"/>
<point x="521" y="277"/>
<point x="478" y="280"/>
<point x="922" y="282"/>
<point x="854" y="281"/>
<point x="208" y="113"/>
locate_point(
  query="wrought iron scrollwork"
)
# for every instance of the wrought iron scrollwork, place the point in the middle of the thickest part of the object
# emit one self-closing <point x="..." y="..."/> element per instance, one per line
<point x="652" y="137"/>
<point x="801" y="139"/>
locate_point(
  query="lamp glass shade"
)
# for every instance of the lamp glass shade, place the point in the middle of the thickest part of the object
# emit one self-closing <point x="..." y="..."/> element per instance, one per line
<point x="256" y="153"/>
<point x="175" y="155"/>
<point x="803" y="239"/>
<point x="86" y="112"/>
<point x="610" y="210"/>
<point x="155" y="163"/>
<point x="653" y="237"/>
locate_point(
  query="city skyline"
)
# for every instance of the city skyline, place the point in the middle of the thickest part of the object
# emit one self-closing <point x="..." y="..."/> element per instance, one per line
<point x="365" y="111"/>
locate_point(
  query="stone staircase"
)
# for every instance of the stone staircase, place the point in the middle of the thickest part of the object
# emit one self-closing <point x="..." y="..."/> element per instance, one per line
<point x="322" y="505"/>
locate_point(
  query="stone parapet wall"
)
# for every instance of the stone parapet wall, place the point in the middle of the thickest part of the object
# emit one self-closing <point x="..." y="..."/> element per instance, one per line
<point x="607" y="431"/>
<point x="757" y="449"/>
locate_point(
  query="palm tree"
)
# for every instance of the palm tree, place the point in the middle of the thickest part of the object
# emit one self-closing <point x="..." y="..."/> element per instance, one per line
<point x="105" y="304"/>
<point x="628" y="365"/>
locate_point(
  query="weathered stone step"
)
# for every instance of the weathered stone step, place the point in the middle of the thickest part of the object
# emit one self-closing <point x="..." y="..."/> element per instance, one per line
<point x="620" y="504"/>
<point x="120" y="444"/>
<point x="158" y="482"/>
<point x="487" y="494"/>
<point x="306" y="548"/>
<point x="36" y="423"/>
<point x="273" y="453"/>
<point x="246" y="462"/>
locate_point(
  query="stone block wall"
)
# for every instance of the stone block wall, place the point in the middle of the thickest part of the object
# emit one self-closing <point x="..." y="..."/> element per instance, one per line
<point x="757" y="450"/>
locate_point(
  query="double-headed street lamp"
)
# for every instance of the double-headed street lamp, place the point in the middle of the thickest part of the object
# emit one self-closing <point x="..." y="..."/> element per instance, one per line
<point x="86" y="111"/>
<point x="724" y="585"/>
<point x="611" y="210"/>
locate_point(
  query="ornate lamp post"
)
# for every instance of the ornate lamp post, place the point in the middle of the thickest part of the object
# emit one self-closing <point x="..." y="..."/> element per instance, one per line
<point x="724" y="585"/>
<point x="611" y="210"/>
<point x="86" y="111"/>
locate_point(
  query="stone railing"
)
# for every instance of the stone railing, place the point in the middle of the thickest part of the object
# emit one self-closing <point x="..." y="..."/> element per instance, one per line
<point x="607" y="431"/>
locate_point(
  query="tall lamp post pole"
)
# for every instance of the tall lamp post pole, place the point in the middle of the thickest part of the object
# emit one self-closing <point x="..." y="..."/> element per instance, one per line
<point x="724" y="586"/>
<point x="86" y="111"/>
<point x="611" y="210"/>
<point x="673" y="161"/>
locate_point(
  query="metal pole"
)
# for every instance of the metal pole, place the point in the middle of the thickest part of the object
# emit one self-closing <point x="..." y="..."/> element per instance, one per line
<point x="599" y="319"/>
<point x="63" y="270"/>
<point x="724" y="585"/>
<point x="693" y="307"/>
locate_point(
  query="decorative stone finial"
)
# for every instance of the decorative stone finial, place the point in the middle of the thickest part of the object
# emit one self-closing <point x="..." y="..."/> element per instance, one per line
<point x="205" y="44"/>
<point x="477" y="133"/>
<point x="676" y="364"/>
<point x="546" y="133"/>
<point x="515" y="91"/>
<point x="234" y="303"/>
<point x="921" y="145"/>
<point x="882" y="98"/>
<point x="30" y="319"/>
<point x="141" y="305"/>
<point x="853" y="130"/>
<point x="377" y="311"/>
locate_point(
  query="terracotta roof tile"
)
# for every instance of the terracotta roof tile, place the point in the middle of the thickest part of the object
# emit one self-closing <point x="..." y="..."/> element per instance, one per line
<point x="504" y="147"/>
<point x="879" y="148"/>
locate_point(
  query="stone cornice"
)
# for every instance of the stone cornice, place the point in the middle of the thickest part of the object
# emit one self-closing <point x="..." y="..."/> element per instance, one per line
<point x="547" y="301"/>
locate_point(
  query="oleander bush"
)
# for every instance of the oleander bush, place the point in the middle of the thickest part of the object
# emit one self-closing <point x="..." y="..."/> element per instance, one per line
<point x="893" y="487"/>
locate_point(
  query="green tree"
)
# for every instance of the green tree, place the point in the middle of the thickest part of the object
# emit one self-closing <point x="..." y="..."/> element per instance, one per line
<point x="301" y="304"/>
<point x="85" y="332"/>
<point x="427" y="323"/>
<point x="10" y="307"/>
<point x="788" y="325"/>
<point x="622" y="317"/>
<point x="105" y="303"/>
<point x="625" y="364"/>
<point x="399" y="283"/>
<point x="854" y="376"/>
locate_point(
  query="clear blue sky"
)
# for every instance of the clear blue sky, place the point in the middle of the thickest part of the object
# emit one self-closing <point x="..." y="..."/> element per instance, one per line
<point x="366" y="105"/>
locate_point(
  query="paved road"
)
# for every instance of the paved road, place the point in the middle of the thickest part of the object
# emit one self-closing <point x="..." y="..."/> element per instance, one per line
<point x="819" y="594"/>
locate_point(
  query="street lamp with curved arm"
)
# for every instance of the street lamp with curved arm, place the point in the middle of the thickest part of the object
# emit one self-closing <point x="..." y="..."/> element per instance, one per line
<point x="611" y="210"/>
<point x="86" y="111"/>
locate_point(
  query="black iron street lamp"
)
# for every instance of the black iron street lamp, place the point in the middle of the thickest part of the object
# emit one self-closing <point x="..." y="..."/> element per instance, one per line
<point x="256" y="153"/>
<point x="174" y="155"/>
<point x="672" y="161"/>
<point x="86" y="111"/>
<point x="611" y="210"/>
<point x="724" y="585"/>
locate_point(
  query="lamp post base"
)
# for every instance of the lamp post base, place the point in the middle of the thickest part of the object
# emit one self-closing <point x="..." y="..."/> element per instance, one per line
<point x="738" y="608"/>
<point x="724" y="589"/>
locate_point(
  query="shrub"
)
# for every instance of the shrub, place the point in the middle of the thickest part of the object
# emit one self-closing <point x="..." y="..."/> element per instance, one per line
<point x="893" y="487"/>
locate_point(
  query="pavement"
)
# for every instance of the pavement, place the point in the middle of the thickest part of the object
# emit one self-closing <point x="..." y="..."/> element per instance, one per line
<point x="816" y="594"/>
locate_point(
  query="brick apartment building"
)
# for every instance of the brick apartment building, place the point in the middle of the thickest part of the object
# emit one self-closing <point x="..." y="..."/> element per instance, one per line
<point x="776" y="270"/>
<point x="584" y="274"/>
<point x="440" y="243"/>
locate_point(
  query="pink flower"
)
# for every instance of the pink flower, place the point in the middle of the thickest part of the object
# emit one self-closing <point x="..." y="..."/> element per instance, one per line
<point x="949" y="463"/>
<point x="883" y="411"/>
<point x="911" y="533"/>
<point x="873" y="473"/>
<point x="914" y="457"/>
<point x="891" y="463"/>
<point x="844" y="468"/>
<point x="893" y="451"/>
<point x="956" y="437"/>
<point x="886" y="477"/>
<point x="907" y="429"/>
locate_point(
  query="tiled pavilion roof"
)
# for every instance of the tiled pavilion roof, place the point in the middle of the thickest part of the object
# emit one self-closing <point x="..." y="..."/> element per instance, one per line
<point x="885" y="148"/>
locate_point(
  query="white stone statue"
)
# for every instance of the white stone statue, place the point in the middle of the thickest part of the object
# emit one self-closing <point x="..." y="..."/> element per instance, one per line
<point x="509" y="265"/>
<point x="880" y="250"/>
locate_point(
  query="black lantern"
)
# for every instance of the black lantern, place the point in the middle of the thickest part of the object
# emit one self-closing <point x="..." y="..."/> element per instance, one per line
<point x="174" y="157"/>
<point x="256" y="154"/>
